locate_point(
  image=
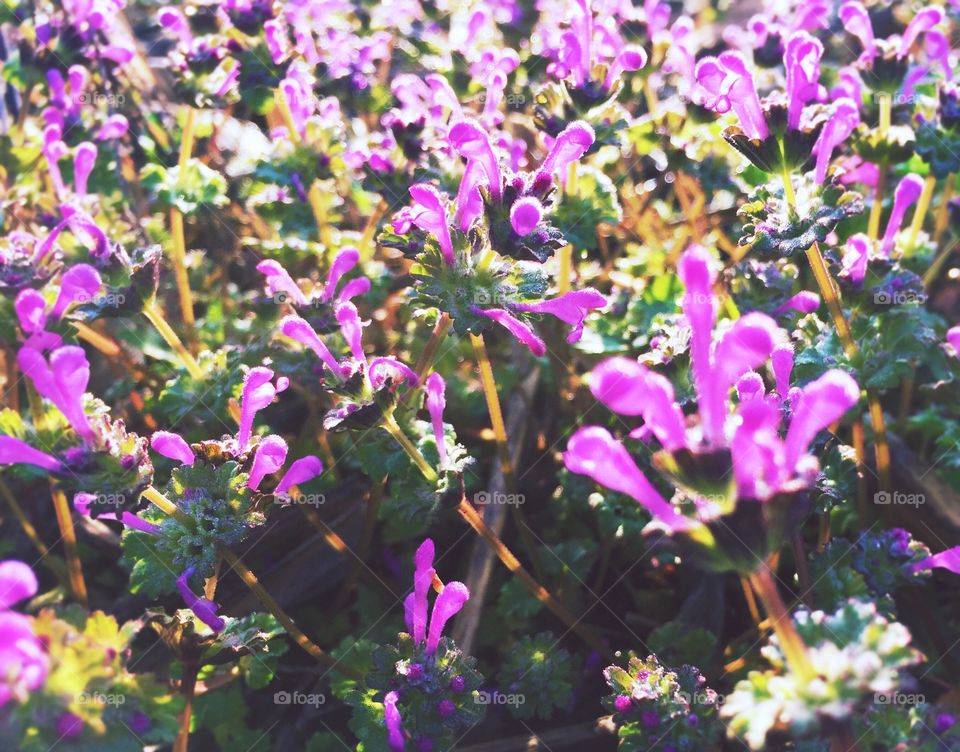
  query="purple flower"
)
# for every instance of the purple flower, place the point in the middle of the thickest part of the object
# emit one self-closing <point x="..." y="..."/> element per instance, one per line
<point x="802" y="62"/>
<point x="298" y="329"/>
<point x="16" y="452"/>
<point x="343" y="262"/>
<point x="525" y="215"/>
<point x="84" y="159"/>
<point x="568" y="147"/>
<point x="203" y="609"/>
<point x="571" y="308"/>
<point x="268" y="457"/>
<point x="430" y="215"/>
<point x="115" y="126"/>
<point x="172" y="446"/>
<point x="907" y="193"/>
<point x="593" y="452"/>
<point x="803" y="302"/>
<point x="845" y="117"/>
<point x="924" y="21"/>
<point x="729" y="86"/>
<point x="856" y="20"/>
<point x="435" y="403"/>
<point x="856" y="254"/>
<point x="448" y="602"/>
<point x="23" y="660"/>
<point x="258" y="392"/>
<point x="83" y="501"/>
<point x="471" y="141"/>
<point x="953" y="337"/>
<point x="949" y="560"/>
<point x="393" y="722"/>
<point x="516" y="327"/>
<point x="301" y="471"/>
<point x="63" y="380"/>
<point x="279" y="281"/>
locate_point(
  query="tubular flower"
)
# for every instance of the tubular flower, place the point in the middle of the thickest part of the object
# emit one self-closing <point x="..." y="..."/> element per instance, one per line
<point x="767" y="461"/>
<point x="23" y="658"/>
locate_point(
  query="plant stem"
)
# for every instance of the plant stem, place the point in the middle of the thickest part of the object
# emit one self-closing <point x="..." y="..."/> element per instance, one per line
<point x="503" y="446"/>
<point x="876" y="210"/>
<point x="830" y="295"/>
<point x="923" y="204"/>
<point x="792" y="646"/>
<point x="943" y="210"/>
<point x="861" y="455"/>
<point x="103" y="343"/>
<point x="829" y="292"/>
<point x="178" y="252"/>
<point x="188" y="686"/>
<point x="539" y="592"/>
<point x="61" y="507"/>
<point x="788" y="192"/>
<point x="390" y="426"/>
<point x="54" y="564"/>
<point x="885" y="103"/>
<point x="155" y="316"/>
<point x="425" y="361"/>
<point x="250" y="580"/>
<point x="565" y="256"/>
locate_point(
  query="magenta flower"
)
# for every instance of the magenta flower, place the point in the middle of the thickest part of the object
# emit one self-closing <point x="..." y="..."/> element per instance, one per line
<point x="393" y="722"/>
<point x="258" y="392"/>
<point x="855" y="258"/>
<point x="23" y="659"/>
<point x="447" y="605"/>
<point x="764" y="464"/>
<point x="300" y="330"/>
<point x="16" y="452"/>
<point x="172" y="446"/>
<point x="803" y="302"/>
<point x="856" y="20"/>
<point x="78" y="284"/>
<point x="525" y="215"/>
<point x="115" y="126"/>
<point x="729" y="86"/>
<point x="205" y="610"/>
<point x="351" y="327"/>
<point x="62" y="380"/>
<point x="383" y="368"/>
<point x="568" y="147"/>
<point x="430" y="215"/>
<point x="802" y="63"/>
<point x="949" y="560"/>
<point x="301" y="471"/>
<point x="907" y="193"/>
<point x="436" y="403"/>
<point x="268" y="457"/>
<point x="83" y="501"/>
<point x="844" y="119"/>
<point x="84" y="159"/>
<point x="516" y="327"/>
<point x="571" y="308"/>
<point x="279" y="282"/>
<point x="953" y="337"/>
<point x="471" y="141"/>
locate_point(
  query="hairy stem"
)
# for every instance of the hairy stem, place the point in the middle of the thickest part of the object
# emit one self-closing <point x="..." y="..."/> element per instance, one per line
<point x="156" y="317"/>
<point x="921" y="211"/>
<point x="390" y="426"/>
<point x="792" y="646"/>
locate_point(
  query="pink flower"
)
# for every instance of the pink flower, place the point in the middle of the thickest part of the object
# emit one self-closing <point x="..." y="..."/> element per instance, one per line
<point x="516" y="327"/>
<point x="393" y="722"/>
<point x="856" y="20"/>
<point x="298" y="329"/>
<point x="471" y="141"/>
<point x="343" y="262"/>
<point x="802" y="63"/>
<point x="571" y="308"/>
<point x="205" y="610"/>
<point x="568" y="147"/>
<point x="63" y="380"/>
<point x="268" y="457"/>
<point x="729" y="86"/>
<point x="301" y="471"/>
<point x="448" y="603"/>
<point x="23" y="660"/>
<point x="907" y="193"/>
<point x="846" y="117"/>
<point x="803" y="302"/>
<point x="435" y="403"/>
<point x="16" y="452"/>
<point x="258" y="392"/>
<point x="525" y="215"/>
<point x="430" y="215"/>
<point x="279" y="282"/>
<point x="172" y="446"/>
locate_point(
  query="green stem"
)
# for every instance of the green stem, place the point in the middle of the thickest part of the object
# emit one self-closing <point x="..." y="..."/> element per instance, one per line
<point x="390" y="426"/>
<point x="156" y="317"/>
